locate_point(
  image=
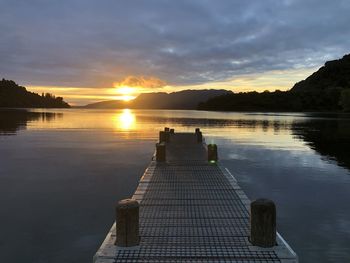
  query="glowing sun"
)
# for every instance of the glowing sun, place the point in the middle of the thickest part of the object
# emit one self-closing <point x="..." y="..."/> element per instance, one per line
<point x="125" y="93"/>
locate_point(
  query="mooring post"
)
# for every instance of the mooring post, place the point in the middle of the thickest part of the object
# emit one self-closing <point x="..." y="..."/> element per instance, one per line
<point x="172" y="131"/>
<point x="167" y="136"/>
<point x="162" y="136"/>
<point x="127" y="220"/>
<point x="160" y="152"/>
<point x="212" y="153"/>
<point x="199" y="136"/>
<point x="263" y="223"/>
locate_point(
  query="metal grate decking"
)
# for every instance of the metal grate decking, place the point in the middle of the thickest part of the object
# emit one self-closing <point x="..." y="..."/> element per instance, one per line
<point x="191" y="211"/>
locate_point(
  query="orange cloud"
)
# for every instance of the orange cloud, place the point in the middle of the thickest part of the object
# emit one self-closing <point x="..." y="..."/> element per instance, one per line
<point x="141" y="81"/>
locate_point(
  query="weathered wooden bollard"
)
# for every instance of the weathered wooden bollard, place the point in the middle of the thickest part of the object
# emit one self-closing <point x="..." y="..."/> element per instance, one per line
<point x="263" y="223"/>
<point x="167" y="136"/>
<point x="127" y="218"/>
<point x="199" y="136"/>
<point x="160" y="152"/>
<point x="162" y="136"/>
<point x="172" y="131"/>
<point x="212" y="153"/>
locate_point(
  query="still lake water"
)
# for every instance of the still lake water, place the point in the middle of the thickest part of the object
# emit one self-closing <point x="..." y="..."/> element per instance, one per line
<point x="62" y="171"/>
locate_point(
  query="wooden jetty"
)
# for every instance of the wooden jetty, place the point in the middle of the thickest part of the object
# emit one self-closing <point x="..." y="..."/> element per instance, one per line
<point x="188" y="208"/>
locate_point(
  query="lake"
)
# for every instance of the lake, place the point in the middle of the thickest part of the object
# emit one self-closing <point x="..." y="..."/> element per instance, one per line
<point x="62" y="172"/>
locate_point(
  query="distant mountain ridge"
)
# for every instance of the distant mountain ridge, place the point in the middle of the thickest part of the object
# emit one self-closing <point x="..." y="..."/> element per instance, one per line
<point x="186" y="99"/>
<point x="14" y="96"/>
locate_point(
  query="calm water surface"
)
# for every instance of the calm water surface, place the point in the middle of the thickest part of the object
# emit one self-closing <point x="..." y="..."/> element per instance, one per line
<point x="62" y="171"/>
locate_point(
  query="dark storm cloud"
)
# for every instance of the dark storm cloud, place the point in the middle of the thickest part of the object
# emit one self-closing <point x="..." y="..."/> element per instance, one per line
<point x="94" y="43"/>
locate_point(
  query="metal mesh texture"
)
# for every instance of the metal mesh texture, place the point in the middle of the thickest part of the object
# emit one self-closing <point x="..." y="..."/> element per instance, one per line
<point x="191" y="213"/>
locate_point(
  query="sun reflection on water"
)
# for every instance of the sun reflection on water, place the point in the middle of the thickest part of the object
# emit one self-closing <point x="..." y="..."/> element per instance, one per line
<point x="126" y="120"/>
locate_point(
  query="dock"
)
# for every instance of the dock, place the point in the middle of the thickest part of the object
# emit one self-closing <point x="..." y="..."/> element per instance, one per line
<point x="189" y="208"/>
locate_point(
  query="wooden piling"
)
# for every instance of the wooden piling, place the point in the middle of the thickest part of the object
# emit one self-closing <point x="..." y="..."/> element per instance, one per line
<point x="162" y="136"/>
<point x="167" y="136"/>
<point x="199" y="137"/>
<point x="263" y="223"/>
<point x="127" y="218"/>
<point x="160" y="152"/>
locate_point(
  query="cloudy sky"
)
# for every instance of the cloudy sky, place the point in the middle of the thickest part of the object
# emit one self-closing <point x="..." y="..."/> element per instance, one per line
<point x="86" y="50"/>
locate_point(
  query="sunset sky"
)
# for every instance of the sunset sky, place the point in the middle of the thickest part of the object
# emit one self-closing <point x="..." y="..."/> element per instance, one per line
<point x="88" y="51"/>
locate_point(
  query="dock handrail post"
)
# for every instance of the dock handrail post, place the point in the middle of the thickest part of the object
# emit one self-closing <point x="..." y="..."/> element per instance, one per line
<point x="127" y="221"/>
<point x="263" y="223"/>
<point x="212" y="153"/>
<point x="160" y="152"/>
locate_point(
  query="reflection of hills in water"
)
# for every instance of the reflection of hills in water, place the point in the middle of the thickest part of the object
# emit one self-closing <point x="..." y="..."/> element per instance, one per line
<point x="13" y="120"/>
<point x="330" y="138"/>
<point x="329" y="135"/>
<point x="264" y="125"/>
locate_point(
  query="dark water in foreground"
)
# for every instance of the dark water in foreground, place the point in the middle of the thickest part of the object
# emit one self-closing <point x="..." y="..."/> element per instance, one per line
<point x="61" y="172"/>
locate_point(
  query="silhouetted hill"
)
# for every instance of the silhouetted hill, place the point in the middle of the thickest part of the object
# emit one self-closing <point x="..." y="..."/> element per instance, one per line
<point x="186" y="99"/>
<point x="15" y="96"/>
<point x="109" y="104"/>
<point x="334" y="74"/>
<point x="328" y="89"/>
<point x="252" y="101"/>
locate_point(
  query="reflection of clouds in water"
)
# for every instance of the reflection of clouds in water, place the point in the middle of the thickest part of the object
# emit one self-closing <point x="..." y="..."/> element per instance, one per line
<point x="235" y="156"/>
<point x="338" y="227"/>
<point x="282" y="160"/>
<point x="343" y="224"/>
<point x="85" y="241"/>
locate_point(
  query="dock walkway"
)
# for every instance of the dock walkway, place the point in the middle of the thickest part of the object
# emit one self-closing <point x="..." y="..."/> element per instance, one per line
<point x="191" y="211"/>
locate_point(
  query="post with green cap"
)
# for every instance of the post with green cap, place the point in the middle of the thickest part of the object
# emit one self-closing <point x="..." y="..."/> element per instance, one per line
<point x="127" y="220"/>
<point x="212" y="153"/>
<point x="263" y="223"/>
